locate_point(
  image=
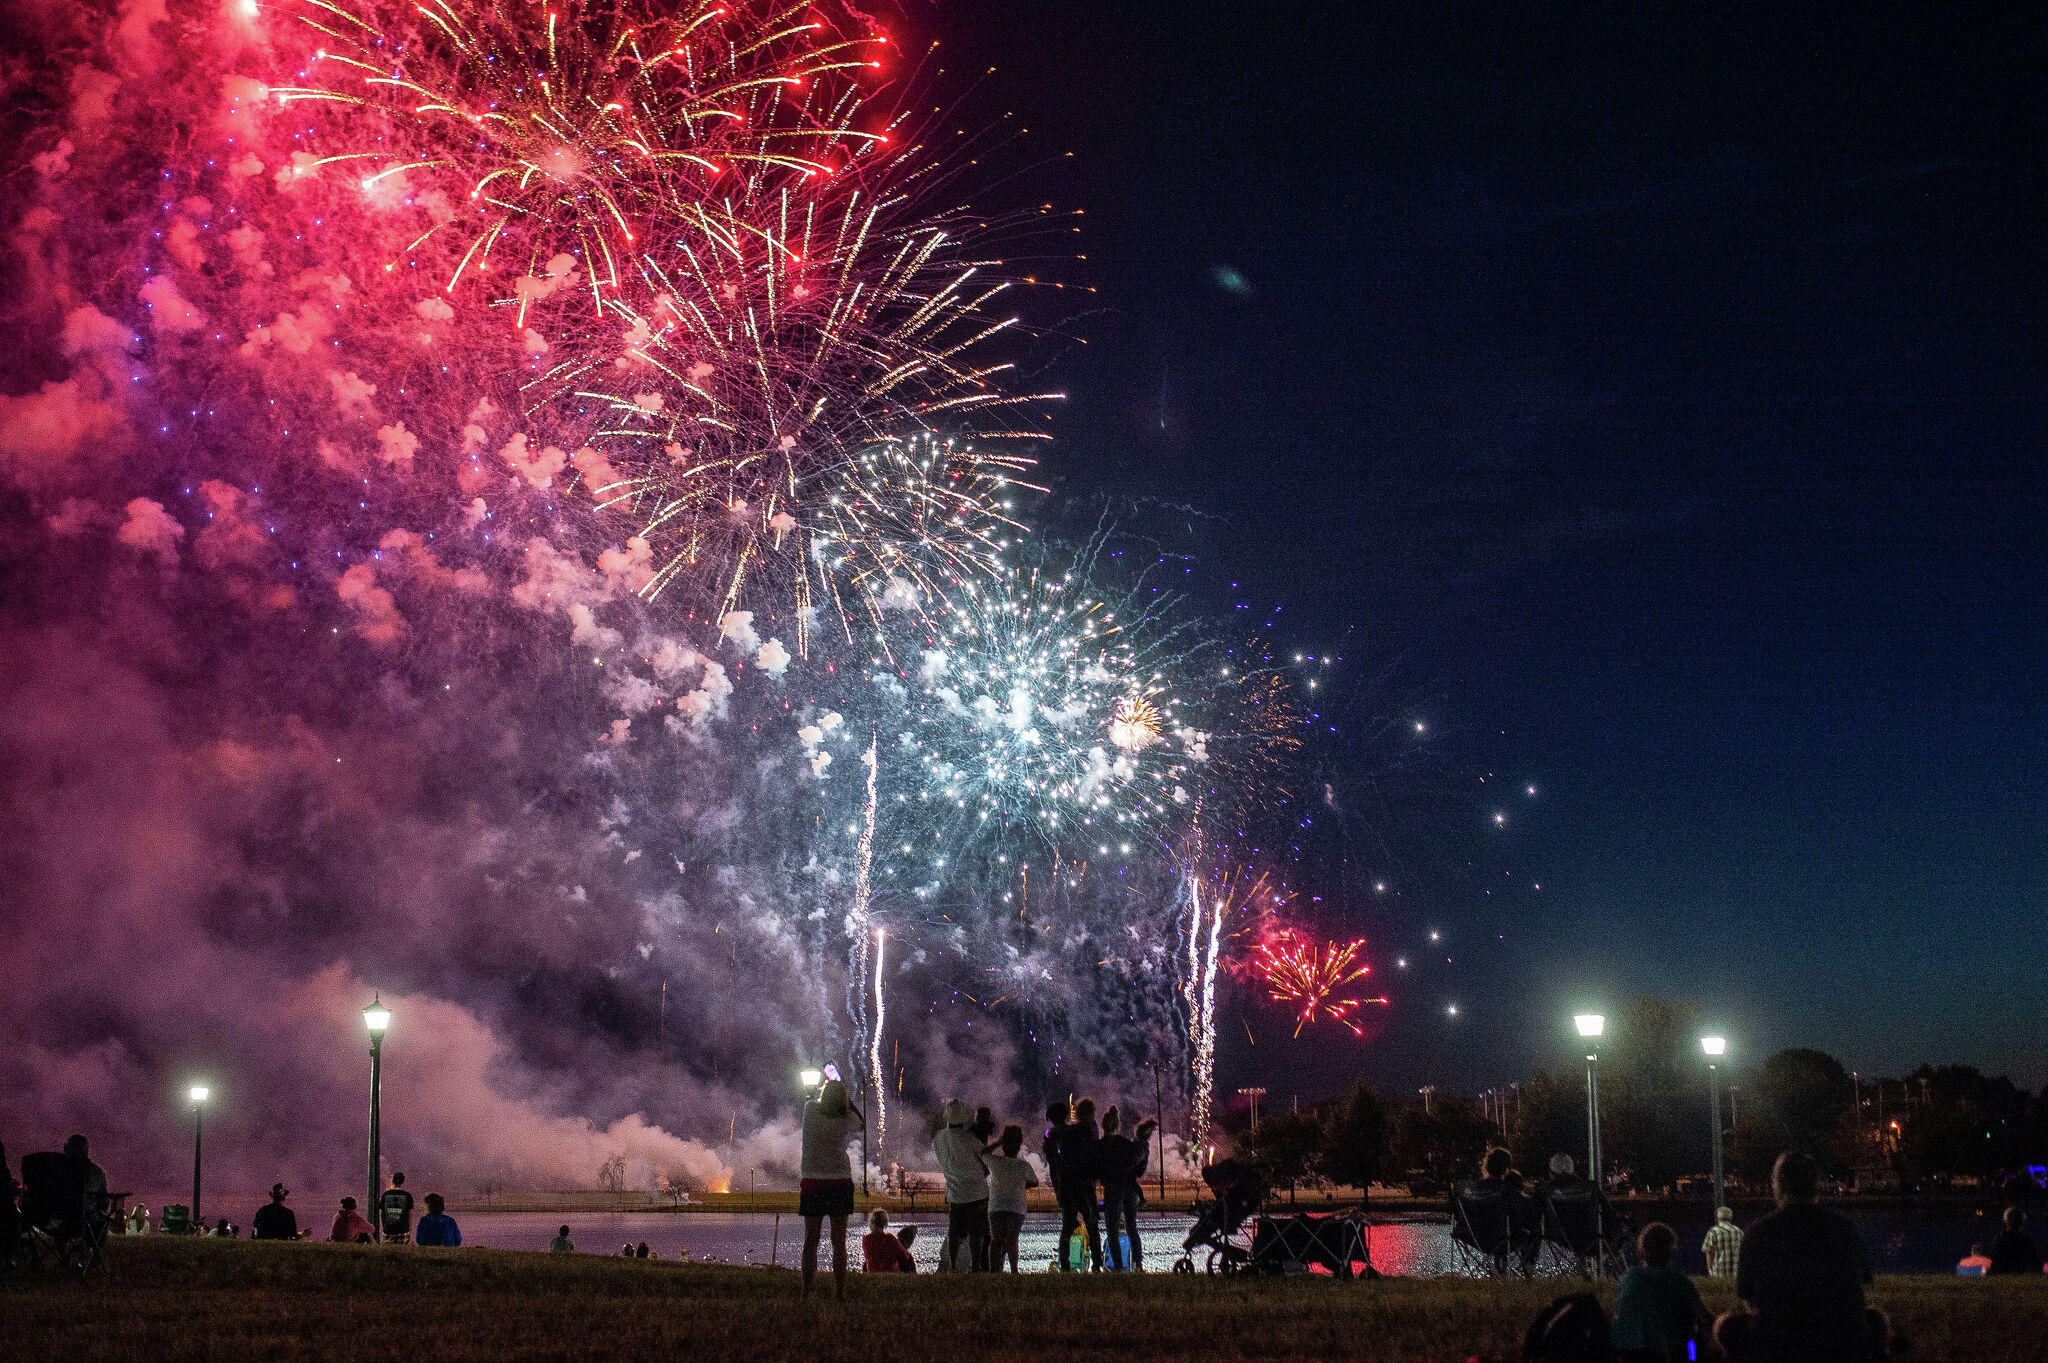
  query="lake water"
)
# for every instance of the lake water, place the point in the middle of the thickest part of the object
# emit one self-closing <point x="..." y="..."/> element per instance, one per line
<point x="1909" y="1240"/>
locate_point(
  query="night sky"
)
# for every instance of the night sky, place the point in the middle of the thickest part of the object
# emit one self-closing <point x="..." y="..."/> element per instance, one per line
<point x="1649" y="400"/>
<point x="1639" y="409"/>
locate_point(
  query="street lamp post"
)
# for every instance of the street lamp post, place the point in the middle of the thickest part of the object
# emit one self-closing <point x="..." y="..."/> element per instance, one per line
<point x="376" y="1017"/>
<point x="1159" y="1107"/>
<point x="198" y="1100"/>
<point x="1591" y="1026"/>
<point x="1715" y="1047"/>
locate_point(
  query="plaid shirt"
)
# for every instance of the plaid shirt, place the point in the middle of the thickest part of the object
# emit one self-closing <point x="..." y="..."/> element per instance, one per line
<point x="1723" y="1246"/>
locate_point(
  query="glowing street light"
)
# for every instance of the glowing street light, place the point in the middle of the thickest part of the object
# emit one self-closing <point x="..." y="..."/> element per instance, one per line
<point x="810" y="1076"/>
<point x="1591" y="1027"/>
<point x="199" y="1092"/>
<point x="377" y="1018"/>
<point x="1715" y="1047"/>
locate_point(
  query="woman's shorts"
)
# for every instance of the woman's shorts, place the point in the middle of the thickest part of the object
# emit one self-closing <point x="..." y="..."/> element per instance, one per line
<point x="967" y="1218"/>
<point x="825" y="1197"/>
<point x="1005" y="1223"/>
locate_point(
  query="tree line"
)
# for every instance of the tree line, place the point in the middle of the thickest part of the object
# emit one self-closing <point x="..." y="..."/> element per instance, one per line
<point x="1930" y="1129"/>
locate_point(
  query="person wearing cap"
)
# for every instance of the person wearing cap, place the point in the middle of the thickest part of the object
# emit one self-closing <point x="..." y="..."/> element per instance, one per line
<point x="437" y="1227"/>
<point x="349" y="1226"/>
<point x="960" y="1160"/>
<point x="275" y="1221"/>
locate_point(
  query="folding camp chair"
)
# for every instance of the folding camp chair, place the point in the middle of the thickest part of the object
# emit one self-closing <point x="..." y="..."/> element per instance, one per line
<point x="1582" y="1232"/>
<point x="1483" y="1231"/>
<point x="64" y="1225"/>
<point x="177" y="1220"/>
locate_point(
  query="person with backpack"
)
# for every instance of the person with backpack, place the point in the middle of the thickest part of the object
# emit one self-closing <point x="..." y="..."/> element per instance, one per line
<point x="394" y="1211"/>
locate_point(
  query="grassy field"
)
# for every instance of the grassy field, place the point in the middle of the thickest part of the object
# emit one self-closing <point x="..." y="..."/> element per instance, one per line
<point x="185" y="1299"/>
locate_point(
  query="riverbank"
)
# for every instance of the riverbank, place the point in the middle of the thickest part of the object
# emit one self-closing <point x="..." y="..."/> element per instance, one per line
<point x="190" y="1300"/>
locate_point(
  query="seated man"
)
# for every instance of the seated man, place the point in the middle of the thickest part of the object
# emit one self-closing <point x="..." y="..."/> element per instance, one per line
<point x="65" y="1194"/>
<point x="1802" y="1270"/>
<point x="275" y="1221"/>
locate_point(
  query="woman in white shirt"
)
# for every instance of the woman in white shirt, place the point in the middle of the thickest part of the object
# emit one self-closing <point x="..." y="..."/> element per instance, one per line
<point x="1008" y="1177"/>
<point x="825" y="1187"/>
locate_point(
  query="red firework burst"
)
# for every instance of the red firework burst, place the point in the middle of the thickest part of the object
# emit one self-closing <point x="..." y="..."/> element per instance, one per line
<point x="1318" y="980"/>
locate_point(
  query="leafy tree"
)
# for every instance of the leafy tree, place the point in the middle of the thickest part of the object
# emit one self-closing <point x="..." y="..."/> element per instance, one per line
<point x="1970" y="1124"/>
<point x="1653" y="1095"/>
<point x="1443" y="1140"/>
<point x="1796" y="1099"/>
<point x="1550" y="1119"/>
<point x="1287" y="1147"/>
<point x="1355" y="1139"/>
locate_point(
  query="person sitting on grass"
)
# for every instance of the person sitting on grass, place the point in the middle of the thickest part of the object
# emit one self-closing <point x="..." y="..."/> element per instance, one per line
<point x="640" y="1250"/>
<point x="223" y="1231"/>
<point x="1658" y="1313"/>
<point x="1975" y="1264"/>
<point x="394" y="1210"/>
<point x="2015" y="1251"/>
<point x="275" y="1221"/>
<point x="825" y="1179"/>
<point x="1803" y="1269"/>
<point x="437" y="1228"/>
<point x="883" y="1252"/>
<point x="560" y="1244"/>
<point x="349" y="1226"/>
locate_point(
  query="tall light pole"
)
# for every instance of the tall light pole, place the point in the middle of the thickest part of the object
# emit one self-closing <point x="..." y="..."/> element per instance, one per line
<point x="1159" y="1108"/>
<point x="1254" y="1094"/>
<point x="1591" y="1026"/>
<point x="376" y="1017"/>
<point x="198" y="1102"/>
<point x="1715" y="1047"/>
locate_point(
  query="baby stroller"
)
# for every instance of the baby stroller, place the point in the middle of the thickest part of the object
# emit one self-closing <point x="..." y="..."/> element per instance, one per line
<point x="1220" y="1225"/>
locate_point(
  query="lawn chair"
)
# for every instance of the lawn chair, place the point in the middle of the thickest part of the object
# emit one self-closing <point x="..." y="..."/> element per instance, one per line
<point x="1483" y="1231"/>
<point x="64" y="1226"/>
<point x="177" y="1220"/>
<point x="1582" y="1232"/>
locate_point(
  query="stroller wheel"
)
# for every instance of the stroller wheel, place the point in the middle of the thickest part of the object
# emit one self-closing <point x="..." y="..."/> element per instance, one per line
<point x="1183" y="1265"/>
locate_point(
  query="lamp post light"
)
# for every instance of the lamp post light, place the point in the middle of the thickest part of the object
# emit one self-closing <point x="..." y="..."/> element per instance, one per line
<point x="199" y="1092"/>
<point x="1591" y="1026"/>
<point x="1715" y="1047"/>
<point x="376" y="1017"/>
<point x="810" y="1076"/>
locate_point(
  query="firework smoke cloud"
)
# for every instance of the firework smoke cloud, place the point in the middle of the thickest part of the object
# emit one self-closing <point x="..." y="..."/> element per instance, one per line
<point x="435" y="439"/>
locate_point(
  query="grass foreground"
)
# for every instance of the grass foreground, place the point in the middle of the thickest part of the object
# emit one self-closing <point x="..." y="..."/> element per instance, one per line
<point x="194" y="1299"/>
